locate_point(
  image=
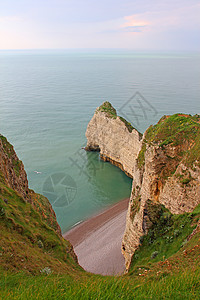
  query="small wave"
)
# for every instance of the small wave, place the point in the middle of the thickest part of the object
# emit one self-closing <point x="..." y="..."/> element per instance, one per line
<point x="77" y="223"/>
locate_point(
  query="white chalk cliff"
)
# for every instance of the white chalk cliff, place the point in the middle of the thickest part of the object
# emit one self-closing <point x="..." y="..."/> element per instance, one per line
<point x="110" y="135"/>
<point x="164" y="164"/>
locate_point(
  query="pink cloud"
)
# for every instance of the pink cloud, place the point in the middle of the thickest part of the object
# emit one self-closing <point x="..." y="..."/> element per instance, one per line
<point x="131" y="21"/>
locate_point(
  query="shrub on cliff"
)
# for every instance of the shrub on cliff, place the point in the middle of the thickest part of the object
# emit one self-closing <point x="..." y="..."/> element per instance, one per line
<point x="108" y="109"/>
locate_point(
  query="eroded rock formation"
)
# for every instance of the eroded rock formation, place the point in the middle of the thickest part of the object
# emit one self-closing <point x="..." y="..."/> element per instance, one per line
<point x="164" y="164"/>
<point x="13" y="169"/>
<point x="178" y="190"/>
<point x="116" y="140"/>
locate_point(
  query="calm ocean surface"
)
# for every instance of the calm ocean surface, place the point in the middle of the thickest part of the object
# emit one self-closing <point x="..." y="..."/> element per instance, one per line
<point x="47" y="99"/>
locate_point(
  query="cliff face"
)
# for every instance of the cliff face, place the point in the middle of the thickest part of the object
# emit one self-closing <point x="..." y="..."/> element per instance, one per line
<point x="12" y="173"/>
<point x="164" y="165"/>
<point x="116" y="140"/>
<point x="30" y="234"/>
<point x="179" y="192"/>
<point x="12" y="169"/>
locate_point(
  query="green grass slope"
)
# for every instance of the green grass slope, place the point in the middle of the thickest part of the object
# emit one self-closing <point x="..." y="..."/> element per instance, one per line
<point x="166" y="266"/>
<point x="179" y="130"/>
<point x="28" y="242"/>
<point x="37" y="263"/>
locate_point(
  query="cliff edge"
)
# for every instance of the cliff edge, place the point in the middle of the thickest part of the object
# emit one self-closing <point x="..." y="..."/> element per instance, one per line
<point x="164" y="164"/>
<point x="31" y="238"/>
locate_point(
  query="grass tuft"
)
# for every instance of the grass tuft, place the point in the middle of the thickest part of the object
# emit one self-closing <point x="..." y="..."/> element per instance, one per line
<point x="108" y="109"/>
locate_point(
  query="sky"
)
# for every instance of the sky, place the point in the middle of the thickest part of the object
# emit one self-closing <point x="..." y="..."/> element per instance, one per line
<point x="127" y="24"/>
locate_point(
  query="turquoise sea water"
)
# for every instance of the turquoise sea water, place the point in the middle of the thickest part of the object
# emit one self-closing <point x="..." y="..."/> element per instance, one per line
<point x="48" y="97"/>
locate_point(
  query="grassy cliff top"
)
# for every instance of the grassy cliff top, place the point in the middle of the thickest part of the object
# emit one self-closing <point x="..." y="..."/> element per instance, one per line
<point x="174" y="129"/>
<point x="179" y="130"/>
<point x="111" y="112"/>
<point x="108" y="109"/>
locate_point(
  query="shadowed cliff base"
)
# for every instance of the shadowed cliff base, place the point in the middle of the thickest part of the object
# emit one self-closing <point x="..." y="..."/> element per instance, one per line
<point x="97" y="241"/>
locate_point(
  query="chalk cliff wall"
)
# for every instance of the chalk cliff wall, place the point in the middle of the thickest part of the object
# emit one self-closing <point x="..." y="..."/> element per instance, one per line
<point x="116" y="140"/>
<point x="164" y="165"/>
<point x="179" y="193"/>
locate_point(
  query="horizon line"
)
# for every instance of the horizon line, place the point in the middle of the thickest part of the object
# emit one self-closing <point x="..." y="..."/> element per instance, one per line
<point x="102" y="49"/>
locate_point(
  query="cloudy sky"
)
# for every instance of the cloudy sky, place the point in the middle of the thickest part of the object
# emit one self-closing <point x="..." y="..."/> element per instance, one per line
<point x="128" y="24"/>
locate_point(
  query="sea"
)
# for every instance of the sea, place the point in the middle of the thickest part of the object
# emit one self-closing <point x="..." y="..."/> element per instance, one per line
<point x="47" y="98"/>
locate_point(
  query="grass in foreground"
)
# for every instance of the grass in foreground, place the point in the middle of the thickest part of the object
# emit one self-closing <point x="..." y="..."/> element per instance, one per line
<point x="18" y="286"/>
<point x="172" y="273"/>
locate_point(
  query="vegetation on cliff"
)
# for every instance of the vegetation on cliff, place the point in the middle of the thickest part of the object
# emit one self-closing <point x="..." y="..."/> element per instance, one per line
<point x="111" y="112"/>
<point x="37" y="263"/>
<point x="171" y="245"/>
<point x="166" y="266"/>
<point x="174" y="129"/>
<point x="180" y="131"/>
<point x="128" y="125"/>
<point x="141" y="156"/>
<point x="108" y="109"/>
<point x="9" y="150"/>
<point x="29" y="241"/>
<point x="135" y="203"/>
<point x="30" y="235"/>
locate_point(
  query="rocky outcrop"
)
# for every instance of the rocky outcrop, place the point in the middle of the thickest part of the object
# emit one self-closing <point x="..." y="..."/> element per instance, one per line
<point x="164" y="165"/>
<point x="117" y="143"/>
<point x="12" y="169"/>
<point x="177" y="195"/>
